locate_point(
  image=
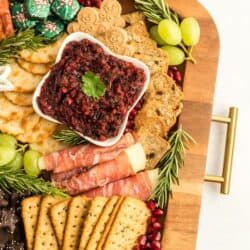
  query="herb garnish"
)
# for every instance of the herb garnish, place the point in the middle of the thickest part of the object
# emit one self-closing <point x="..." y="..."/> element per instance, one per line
<point x="169" y="166"/>
<point x="93" y="85"/>
<point x="68" y="136"/>
<point x="20" y="182"/>
<point x="24" y="39"/>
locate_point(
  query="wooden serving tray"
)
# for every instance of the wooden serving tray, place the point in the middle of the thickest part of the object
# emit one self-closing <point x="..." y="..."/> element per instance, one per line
<point x="181" y="225"/>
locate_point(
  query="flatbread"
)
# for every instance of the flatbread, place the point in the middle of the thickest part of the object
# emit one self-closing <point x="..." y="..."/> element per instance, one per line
<point x="109" y="223"/>
<point x="34" y="68"/>
<point x="39" y="133"/>
<point x="45" y="238"/>
<point x="78" y="210"/>
<point x="58" y="215"/>
<point x="46" y="54"/>
<point x="130" y="222"/>
<point x="48" y="146"/>
<point x="21" y="99"/>
<point x="22" y="80"/>
<point x="95" y="210"/>
<point x="101" y="223"/>
<point x="10" y="111"/>
<point x="30" y="122"/>
<point x="30" y="210"/>
<point x="13" y="127"/>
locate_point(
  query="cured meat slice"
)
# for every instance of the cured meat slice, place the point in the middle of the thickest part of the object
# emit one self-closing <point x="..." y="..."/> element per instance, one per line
<point x="127" y="163"/>
<point x="139" y="186"/>
<point x="83" y="155"/>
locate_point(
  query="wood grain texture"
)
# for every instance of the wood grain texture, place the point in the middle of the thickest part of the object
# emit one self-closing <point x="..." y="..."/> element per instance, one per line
<point x="181" y="225"/>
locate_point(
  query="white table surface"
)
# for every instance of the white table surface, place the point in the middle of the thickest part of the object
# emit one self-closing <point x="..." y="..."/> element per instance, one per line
<point x="225" y="220"/>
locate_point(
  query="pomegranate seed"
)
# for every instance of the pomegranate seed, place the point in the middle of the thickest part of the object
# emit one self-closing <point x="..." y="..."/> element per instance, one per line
<point x="152" y="220"/>
<point x="133" y="112"/>
<point x="142" y="240"/>
<point x="150" y="229"/>
<point x="151" y="205"/>
<point x="148" y="245"/>
<point x="177" y="76"/>
<point x="157" y="226"/>
<point x="69" y="100"/>
<point x="158" y="212"/>
<point x="150" y="237"/>
<point x="156" y="245"/>
<point x="156" y="236"/>
<point x="171" y="74"/>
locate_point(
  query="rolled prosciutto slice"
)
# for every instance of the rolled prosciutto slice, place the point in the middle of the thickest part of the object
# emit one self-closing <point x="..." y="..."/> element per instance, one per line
<point x="127" y="163"/>
<point x="139" y="186"/>
<point x="84" y="155"/>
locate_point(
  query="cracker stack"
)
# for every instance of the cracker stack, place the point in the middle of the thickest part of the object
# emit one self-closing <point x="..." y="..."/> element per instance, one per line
<point x="81" y="223"/>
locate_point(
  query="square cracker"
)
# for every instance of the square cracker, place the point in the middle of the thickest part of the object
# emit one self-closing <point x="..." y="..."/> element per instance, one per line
<point x="130" y="222"/>
<point x="101" y="223"/>
<point x="58" y="216"/>
<point x="30" y="210"/>
<point x="109" y="224"/>
<point x="95" y="210"/>
<point x="45" y="238"/>
<point x="77" y="212"/>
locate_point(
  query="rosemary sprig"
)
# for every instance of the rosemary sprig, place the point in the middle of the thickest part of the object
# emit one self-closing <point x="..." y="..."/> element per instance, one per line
<point x="18" y="181"/>
<point x="169" y="166"/>
<point x="68" y="136"/>
<point x="24" y="39"/>
<point x="156" y="10"/>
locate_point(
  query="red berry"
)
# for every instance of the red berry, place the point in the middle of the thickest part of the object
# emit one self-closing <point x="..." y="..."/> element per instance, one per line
<point x="142" y="240"/>
<point x="152" y="220"/>
<point x="151" y="205"/>
<point x="158" y="212"/>
<point x="156" y="236"/>
<point x="157" y="226"/>
<point x="156" y="245"/>
<point x="177" y="76"/>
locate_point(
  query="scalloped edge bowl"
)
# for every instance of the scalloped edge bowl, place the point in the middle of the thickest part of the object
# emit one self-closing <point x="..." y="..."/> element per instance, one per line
<point x="78" y="36"/>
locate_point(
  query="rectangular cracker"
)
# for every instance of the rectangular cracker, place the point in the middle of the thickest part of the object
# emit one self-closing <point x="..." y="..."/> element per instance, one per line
<point x="101" y="223"/>
<point x="30" y="210"/>
<point x="109" y="223"/>
<point x="95" y="210"/>
<point x="58" y="216"/>
<point x="45" y="238"/>
<point x="130" y="222"/>
<point x="77" y="212"/>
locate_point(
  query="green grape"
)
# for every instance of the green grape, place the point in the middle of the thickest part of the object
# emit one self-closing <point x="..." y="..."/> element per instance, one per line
<point x="7" y="154"/>
<point x="8" y="141"/>
<point x="155" y="35"/>
<point x="169" y="32"/>
<point x="30" y="162"/>
<point x="190" y="30"/>
<point x="17" y="162"/>
<point x="176" y="55"/>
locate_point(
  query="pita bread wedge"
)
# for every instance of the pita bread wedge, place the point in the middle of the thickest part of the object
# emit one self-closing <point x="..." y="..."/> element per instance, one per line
<point x="34" y="68"/>
<point x="45" y="54"/>
<point x="22" y="80"/>
<point x="10" y="111"/>
<point x="21" y="99"/>
<point x="39" y="133"/>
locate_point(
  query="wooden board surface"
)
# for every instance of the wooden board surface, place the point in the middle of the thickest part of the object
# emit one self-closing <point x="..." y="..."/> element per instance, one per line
<point x="181" y="226"/>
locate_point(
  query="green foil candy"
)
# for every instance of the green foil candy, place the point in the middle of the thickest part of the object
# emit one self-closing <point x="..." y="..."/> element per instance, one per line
<point x="50" y="28"/>
<point x="38" y="8"/>
<point x="19" y="17"/>
<point x="65" y="9"/>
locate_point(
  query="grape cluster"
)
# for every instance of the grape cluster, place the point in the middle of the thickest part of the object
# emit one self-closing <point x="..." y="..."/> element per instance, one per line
<point x="91" y="3"/>
<point x="177" y="40"/>
<point x="14" y="156"/>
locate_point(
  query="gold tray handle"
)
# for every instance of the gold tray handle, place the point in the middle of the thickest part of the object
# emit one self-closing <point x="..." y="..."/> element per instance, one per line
<point x="225" y="179"/>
